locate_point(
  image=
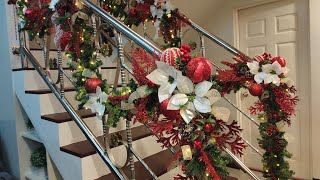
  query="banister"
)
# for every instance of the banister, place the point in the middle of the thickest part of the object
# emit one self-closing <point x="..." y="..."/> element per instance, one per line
<point x="65" y="103"/>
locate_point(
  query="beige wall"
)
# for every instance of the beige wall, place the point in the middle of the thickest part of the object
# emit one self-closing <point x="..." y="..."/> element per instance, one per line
<point x="315" y="84"/>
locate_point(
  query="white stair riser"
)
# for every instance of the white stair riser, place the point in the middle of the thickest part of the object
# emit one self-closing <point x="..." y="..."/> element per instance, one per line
<point x="69" y="132"/>
<point x="144" y="147"/>
<point x="49" y="104"/>
<point x="34" y="82"/>
<point x="48" y="132"/>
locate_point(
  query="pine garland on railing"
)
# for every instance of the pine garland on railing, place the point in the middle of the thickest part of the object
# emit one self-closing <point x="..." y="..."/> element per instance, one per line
<point x="186" y="94"/>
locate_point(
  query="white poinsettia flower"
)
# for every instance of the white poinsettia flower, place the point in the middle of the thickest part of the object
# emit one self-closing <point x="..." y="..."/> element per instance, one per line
<point x="95" y="102"/>
<point x="165" y="76"/>
<point x="268" y="73"/>
<point x="200" y="100"/>
<point x="254" y="67"/>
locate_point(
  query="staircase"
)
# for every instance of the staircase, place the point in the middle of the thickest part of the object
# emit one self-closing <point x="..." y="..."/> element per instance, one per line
<point x="67" y="145"/>
<point x="72" y="153"/>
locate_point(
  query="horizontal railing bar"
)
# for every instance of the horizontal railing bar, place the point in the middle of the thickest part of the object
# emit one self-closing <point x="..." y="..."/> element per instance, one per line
<point x="65" y="103"/>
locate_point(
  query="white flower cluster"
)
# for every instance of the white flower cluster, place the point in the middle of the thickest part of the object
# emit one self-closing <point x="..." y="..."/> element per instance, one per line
<point x="191" y="99"/>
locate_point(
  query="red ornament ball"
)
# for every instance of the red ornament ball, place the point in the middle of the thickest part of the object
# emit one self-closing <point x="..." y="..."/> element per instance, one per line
<point x="199" y="69"/>
<point x="256" y="90"/>
<point x="28" y="12"/>
<point x="275" y="116"/>
<point x="106" y="8"/>
<point x="197" y="144"/>
<point x="132" y="12"/>
<point x="169" y="114"/>
<point x="92" y="84"/>
<point x="207" y="128"/>
<point x="170" y="55"/>
<point x="183" y="168"/>
<point x="280" y="60"/>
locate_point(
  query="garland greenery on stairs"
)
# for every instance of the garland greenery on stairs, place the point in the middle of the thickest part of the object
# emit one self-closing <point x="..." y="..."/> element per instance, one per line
<point x="174" y="93"/>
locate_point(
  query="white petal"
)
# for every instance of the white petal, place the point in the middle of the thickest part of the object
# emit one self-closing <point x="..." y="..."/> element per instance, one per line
<point x="267" y="68"/>
<point x="98" y="91"/>
<point x="172" y="72"/>
<point x="179" y="99"/>
<point x="163" y="92"/>
<point x="187" y="115"/>
<point x="272" y="78"/>
<point x="98" y="108"/>
<point x="202" y="88"/>
<point x="260" y="77"/>
<point x="88" y="73"/>
<point x="158" y="76"/>
<point x="163" y="66"/>
<point x="142" y="91"/>
<point x="202" y="105"/>
<point x="184" y="84"/>
<point x="133" y="96"/>
<point x="172" y="87"/>
<point x="277" y="67"/>
<point x="221" y="113"/>
<point x="103" y="97"/>
<point x="172" y="106"/>
<point x="254" y="67"/>
<point x="213" y="95"/>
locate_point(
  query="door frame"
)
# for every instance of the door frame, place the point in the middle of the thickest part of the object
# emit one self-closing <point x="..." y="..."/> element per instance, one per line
<point x="312" y="56"/>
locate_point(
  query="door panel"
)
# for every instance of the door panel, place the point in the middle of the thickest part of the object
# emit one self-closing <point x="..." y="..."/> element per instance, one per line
<point x="280" y="28"/>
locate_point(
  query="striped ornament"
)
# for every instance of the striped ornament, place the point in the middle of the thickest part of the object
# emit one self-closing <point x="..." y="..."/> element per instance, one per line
<point x="169" y="56"/>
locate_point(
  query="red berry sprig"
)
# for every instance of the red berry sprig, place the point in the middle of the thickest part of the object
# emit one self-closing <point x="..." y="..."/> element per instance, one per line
<point x="186" y="56"/>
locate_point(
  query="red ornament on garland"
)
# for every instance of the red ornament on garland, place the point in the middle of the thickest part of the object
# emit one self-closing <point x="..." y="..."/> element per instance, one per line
<point x="106" y="8"/>
<point x="28" y="12"/>
<point x="170" y="55"/>
<point x="275" y="116"/>
<point x="199" y="69"/>
<point x="256" y="90"/>
<point x="183" y="168"/>
<point x="169" y="114"/>
<point x="207" y="128"/>
<point x="92" y="84"/>
<point x="132" y="12"/>
<point x="197" y="144"/>
<point x="280" y="60"/>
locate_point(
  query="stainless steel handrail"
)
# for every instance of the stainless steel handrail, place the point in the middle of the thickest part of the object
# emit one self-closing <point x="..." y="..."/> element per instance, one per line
<point x="65" y="103"/>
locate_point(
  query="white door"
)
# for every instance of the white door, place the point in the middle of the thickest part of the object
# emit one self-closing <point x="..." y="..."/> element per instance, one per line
<point x="281" y="29"/>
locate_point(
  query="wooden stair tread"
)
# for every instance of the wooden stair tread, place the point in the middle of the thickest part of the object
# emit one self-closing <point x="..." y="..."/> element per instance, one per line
<point x="65" y="117"/>
<point x="84" y="148"/>
<point x="46" y="91"/>
<point x="158" y="163"/>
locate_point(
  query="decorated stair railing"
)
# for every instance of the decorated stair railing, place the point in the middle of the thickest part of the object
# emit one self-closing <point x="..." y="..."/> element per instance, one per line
<point x="72" y="24"/>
